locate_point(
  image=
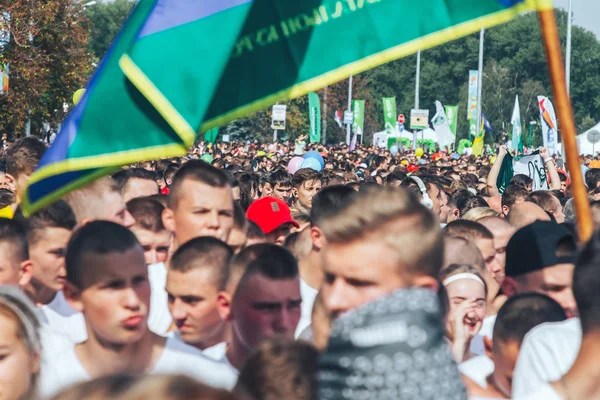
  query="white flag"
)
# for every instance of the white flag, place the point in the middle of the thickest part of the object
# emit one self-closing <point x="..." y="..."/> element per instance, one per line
<point x="516" y="123"/>
<point x="549" y="125"/>
<point x="442" y="127"/>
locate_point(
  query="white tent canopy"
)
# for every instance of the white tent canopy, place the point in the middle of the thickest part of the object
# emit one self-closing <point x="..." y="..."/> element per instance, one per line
<point x="381" y="138"/>
<point x="584" y="146"/>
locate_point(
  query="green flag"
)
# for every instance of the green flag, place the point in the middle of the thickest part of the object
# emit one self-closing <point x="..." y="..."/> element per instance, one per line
<point x="314" y="114"/>
<point x="452" y="115"/>
<point x="389" y="114"/>
<point x="211" y="135"/>
<point x="506" y="173"/>
<point x="156" y="88"/>
<point x="358" y="108"/>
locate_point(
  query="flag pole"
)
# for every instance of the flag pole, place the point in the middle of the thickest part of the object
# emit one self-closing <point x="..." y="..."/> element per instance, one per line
<point x="565" y="115"/>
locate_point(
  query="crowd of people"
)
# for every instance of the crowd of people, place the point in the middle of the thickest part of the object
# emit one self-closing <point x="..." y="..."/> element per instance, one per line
<point x="232" y="274"/>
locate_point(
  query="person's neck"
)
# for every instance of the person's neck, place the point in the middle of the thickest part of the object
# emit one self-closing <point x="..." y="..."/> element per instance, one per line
<point x="39" y="294"/>
<point x="581" y="382"/>
<point x="310" y="269"/>
<point x="237" y="353"/>
<point x="219" y="336"/>
<point x="101" y="358"/>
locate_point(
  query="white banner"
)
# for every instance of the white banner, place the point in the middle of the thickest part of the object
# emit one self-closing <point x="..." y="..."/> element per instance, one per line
<point x="532" y="166"/>
<point x="549" y="125"/>
<point x="442" y="127"/>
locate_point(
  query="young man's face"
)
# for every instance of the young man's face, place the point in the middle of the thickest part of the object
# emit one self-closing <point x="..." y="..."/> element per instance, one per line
<point x="306" y="191"/>
<point x="201" y="210"/>
<point x="155" y="244"/>
<point x="266" y="190"/>
<point x="349" y="283"/>
<point x="279" y="235"/>
<point x="47" y="254"/>
<point x="471" y="169"/>
<point x="282" y="192"/>
<point x="114" y="210"/>
<point x="237" y="239"/>
<point x="115" y="297"/>
<point x="504" y="356"/>
<point x="264" y="307"/>
<point x="193" y="306"/>
<point x="137" y="187"/>
<point x="555" y="282"/>
<point x="490" y="256"/>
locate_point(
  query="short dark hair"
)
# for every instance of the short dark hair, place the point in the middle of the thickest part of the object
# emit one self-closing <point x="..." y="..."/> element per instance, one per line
<point x="125" y="175"/>
<point x="13" y="233"/>
<point x="523" y="312"/>
<point x="469" y="230"/>
<point x="592" y="178"/>
<point x="198" y="171"/>
<point x="147" y="213"/>
<point x="280" y="177"/>
<point x="24" y="155"/>
<point x="170" y="171"/>
<point x="512" y="193"/>
<point x="465" y="204"/>
<point x="543" y="199"/>
<point x="305" y="175"/>
<point x="521" y="180"/>
<point x="57" y="215"/>
<point x="254" y="231"/>
<point x="239" y="216"/>
<point x="280" y="369"/>
<point x="328" y="201"/>
<point x="97" y="237"/>
<point x="586" y="284"/>
<point x="274" y="262"/>
<point x="204" y="252"/>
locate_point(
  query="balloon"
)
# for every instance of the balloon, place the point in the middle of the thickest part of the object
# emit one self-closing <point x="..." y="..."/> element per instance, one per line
<point x="419" y="152"/>
<point x="316" y="156"/>
<point x="311" y="163"/>
<point x="207" y="158"/>
<point x="394" y="150"/>
<point x="295" y="164"/>
<point x="78" y="95"/>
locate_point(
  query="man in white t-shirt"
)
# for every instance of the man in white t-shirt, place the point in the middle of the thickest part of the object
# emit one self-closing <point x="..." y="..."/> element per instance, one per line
<point x="581" y="380"/>
<point x="156" y="242"/>
<point x="107" y="281"/>
<point x="261" y="299"/>
<point x="195" y="276"/>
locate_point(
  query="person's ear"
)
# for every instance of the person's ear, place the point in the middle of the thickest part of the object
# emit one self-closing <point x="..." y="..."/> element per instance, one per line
<point x="505" y="211"/>
<point x="295" y="192"/>
<point x="488" y="347"/>
<point x="25" y="273"/>
<point x="168" y="219"/>
<point x="510" y="287"/>
<point x="224" y="306"/>
<point x="85" y="221"/>
<point x="73" y="296"/>
<point x="12" y="181"/>
<point x="317" y="237"/>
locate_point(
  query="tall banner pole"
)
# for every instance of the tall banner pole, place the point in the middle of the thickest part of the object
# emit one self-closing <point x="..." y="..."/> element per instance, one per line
<point x="565" y="115"/>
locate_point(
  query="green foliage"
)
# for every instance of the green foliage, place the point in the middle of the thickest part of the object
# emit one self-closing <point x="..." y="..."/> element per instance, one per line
<point x="106" y="21"/>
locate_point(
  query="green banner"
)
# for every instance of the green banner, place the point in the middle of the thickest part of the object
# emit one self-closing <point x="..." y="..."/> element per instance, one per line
<point x="452" y="116"/>
<point x="358" y="107"/>
<point x="506" y="173"/>
<point x="314" y="114"/>
<point x="211" y="135"/>
<point x="389" y="114"/>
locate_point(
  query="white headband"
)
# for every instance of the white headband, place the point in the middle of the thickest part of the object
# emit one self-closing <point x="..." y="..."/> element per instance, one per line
<point x="464" y="275"/>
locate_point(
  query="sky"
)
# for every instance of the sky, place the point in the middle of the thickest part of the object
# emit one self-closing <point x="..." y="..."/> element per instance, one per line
<point x="586" y="13"/>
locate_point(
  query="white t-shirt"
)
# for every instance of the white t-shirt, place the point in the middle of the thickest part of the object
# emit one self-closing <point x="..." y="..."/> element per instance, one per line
<point x="224" y="362"/>
<point x="477" y="369"/>
<point x="547" y="353"/>
<point x="159" y="319"/>
<point x="545" y="392"/>
<point x="59" y="317"/>
<point x="487" y="329"/>
<point x="177" y="358"/>
<point x="216" y="352"/>
<point x="308" y="300"/>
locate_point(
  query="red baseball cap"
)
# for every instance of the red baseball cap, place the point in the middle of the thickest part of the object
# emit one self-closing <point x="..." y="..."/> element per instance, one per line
<point x="269" y="214"/>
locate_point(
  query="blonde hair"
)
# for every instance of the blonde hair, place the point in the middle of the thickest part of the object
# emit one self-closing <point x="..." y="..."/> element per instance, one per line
<point x="395" y="218"/>
<point x="87" y="202"/>
<point x="477" y="213"/>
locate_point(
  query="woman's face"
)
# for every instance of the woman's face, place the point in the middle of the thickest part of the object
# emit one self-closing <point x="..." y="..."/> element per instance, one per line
<point x="16" y="366"/>
<point x="459" y="293"/>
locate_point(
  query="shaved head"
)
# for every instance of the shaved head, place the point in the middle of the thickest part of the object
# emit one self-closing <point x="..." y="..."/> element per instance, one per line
<point x="458" y="250"/>
<point x="526" y="213"/>
<point x="496" y="224"/>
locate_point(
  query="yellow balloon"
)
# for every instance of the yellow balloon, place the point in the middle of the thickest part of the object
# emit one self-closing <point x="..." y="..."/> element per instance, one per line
<point x="419" y="152"/>
<point x="78" y="95"/>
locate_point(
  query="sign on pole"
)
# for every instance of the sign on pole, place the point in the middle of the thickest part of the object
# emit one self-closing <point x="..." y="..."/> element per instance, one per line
<point x="418" y="119"/>
<point x="279" y="114"/>
<point x="348" y="117"/>
<point x="473" y="87"/>
<point x="401" y="119"/>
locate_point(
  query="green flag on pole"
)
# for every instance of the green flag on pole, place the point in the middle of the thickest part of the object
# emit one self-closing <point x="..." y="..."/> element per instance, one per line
<point x="506" y="173"/>
<point x="149" y="98"/>
<point x="452" y="115"/>
<point x="211" y="135"/>
<point x="314" y="114"/>
<point x="389" y="114"/>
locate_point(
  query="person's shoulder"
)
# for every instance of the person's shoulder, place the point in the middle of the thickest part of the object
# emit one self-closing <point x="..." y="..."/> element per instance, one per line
<point x="550" y="330"/>
<point x="544" y="392"/>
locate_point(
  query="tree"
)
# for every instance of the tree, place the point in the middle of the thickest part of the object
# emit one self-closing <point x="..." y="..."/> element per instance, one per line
<point x="106" y="22"/>
<point x="48" y="61"/>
